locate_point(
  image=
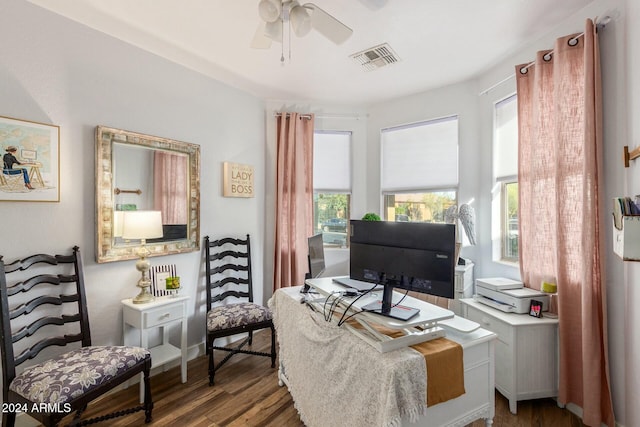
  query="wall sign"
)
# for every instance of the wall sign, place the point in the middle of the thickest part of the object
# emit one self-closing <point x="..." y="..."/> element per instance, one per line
<point x="238" y="180"/>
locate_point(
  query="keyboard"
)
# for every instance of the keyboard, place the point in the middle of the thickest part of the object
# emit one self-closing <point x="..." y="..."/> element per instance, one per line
<point x="358" y="285"/>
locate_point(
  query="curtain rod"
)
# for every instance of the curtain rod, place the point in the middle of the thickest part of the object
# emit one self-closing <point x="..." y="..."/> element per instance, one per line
<point x="302" y="116"/>
<point x="572" y="41"/>
<point x="326" y="116"/>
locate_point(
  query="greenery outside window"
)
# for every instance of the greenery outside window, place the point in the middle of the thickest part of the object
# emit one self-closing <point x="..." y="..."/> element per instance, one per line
<point x="428" y="206"/>
<point x="510" y="231"/>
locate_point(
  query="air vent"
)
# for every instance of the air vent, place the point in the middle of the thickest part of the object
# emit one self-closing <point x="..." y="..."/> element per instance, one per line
<point x="376" y="57"/>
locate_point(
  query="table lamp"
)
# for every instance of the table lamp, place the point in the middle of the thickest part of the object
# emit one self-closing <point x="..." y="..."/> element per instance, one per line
<point x="142" y="225"/>
<point x="117" y="223"/>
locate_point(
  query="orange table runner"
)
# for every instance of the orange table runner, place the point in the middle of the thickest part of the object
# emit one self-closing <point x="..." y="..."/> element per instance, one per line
<point x="445" y="365"/>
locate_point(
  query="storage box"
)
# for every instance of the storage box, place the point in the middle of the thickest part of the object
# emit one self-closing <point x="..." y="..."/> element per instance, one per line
<point x="626" y="241"/>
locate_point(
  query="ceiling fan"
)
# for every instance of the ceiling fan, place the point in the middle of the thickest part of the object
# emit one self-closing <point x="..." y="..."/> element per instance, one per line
<point x="274" y="14"/>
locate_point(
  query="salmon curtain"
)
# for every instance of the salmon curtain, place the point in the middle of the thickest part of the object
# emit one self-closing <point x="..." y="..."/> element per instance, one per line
<point x="170" y="181"/>
<point x="294" y="198"/>
<point x="560" y="209"/>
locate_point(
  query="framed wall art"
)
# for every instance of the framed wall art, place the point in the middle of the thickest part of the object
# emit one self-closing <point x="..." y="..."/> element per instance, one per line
<point x="237" y="180"/>
<point x="30" y="161"/>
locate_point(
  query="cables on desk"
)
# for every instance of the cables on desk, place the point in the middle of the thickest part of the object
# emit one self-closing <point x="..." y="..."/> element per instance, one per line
<point x="334" y="304"/>
<point x="344" y="319"/>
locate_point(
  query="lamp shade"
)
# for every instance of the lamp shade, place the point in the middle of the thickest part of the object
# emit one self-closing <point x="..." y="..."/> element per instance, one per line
<point x="142" y="224"/>
<point x="117" y="223"/>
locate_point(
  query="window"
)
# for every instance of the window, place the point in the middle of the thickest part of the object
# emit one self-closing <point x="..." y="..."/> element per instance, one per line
<point x="419" y="176"/>
<point x="505" y="169"/>
<point x="332" y="186"/>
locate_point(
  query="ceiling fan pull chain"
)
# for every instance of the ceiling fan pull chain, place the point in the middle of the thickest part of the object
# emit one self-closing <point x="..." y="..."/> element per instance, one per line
<point x="289" y="40"/>
<point x="282" y="41"/>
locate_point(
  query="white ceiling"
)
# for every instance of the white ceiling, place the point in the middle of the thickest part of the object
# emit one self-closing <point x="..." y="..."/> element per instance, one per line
<point x="439" y="42"/>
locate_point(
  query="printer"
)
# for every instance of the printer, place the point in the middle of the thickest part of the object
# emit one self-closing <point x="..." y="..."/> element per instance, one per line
<point x="508" y="295"/>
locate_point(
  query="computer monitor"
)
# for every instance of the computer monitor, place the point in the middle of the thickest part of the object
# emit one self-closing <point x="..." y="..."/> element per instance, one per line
<point x="316" y="256"/>
<point x="415" y="256"/>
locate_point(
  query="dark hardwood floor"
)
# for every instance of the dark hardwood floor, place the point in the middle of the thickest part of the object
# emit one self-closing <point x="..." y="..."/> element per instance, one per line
<point x="246" y="393"/>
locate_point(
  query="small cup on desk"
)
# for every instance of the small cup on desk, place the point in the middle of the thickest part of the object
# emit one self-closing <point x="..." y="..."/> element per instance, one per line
<point x="172" y="284"/>
<point x="552" y="289"/>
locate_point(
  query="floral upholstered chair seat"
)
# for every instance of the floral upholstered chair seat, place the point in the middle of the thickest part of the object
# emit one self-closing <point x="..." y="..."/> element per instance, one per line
<point x="75" y="373"/>
<point x="236" y="315"/>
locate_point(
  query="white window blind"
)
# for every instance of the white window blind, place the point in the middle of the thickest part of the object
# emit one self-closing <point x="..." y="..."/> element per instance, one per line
<point x="505" y="149"/>
<point x="420" y="156"/>
<point x="331" y="161"/>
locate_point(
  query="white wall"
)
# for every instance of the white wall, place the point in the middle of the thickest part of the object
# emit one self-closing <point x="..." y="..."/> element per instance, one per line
<point x="56" y="71"/>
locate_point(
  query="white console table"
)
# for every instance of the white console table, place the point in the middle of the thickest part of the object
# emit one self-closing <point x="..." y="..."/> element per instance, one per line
<point x="159" y="313"/>
<point x="335" y="390"/>
<point x="526" y="351"/>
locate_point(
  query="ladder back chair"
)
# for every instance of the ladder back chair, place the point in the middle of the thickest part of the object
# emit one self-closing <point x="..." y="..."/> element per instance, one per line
<point x="44" y="304"/>
<point x="229" y="282"/>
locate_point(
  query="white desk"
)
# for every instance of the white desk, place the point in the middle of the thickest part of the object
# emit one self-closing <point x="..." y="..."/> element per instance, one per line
<point x="159" y="313"/>
<point x="476" y="403"/>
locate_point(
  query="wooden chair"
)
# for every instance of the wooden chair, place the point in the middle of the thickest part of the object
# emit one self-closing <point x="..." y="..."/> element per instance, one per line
<point x="229" y="281"/>
<point x="45" y="305"/>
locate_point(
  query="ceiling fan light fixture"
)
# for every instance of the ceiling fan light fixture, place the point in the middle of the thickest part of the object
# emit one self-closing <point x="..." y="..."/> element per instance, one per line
<point x="300" y="20"/>
<point x="269" y="10"/>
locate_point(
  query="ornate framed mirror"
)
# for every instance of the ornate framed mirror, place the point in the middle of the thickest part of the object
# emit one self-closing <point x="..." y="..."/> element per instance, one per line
<point x="142" y="172"/>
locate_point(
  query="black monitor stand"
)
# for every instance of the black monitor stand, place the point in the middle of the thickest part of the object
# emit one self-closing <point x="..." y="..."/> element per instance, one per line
<point x="306" y="288"/>
<point x="386" y="307"/>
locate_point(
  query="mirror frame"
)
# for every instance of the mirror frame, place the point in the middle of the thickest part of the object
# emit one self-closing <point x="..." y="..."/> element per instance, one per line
<point x="105" y="203"/>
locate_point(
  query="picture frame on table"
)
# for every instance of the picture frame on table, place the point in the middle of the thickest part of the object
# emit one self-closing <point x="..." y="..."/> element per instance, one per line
<point x="159" y="276"/>
<point x="33" y="151"/>
<point x="535" y="308"/>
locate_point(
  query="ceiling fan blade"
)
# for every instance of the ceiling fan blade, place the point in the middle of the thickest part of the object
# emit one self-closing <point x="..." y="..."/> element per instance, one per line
<point x="260" y="40"/>
<point x="327" y="25"/>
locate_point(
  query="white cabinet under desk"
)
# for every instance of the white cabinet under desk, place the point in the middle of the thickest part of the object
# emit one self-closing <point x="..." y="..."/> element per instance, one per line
<point x="526" y="351"/>
<point x="160" y="313"/>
